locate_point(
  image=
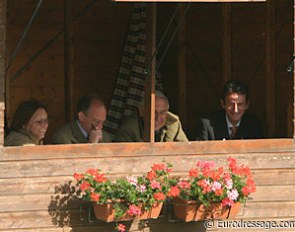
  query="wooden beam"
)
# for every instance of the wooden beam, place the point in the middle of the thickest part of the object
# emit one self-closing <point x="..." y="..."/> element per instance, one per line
<point x="181" y="46"/>
<point x="189" y="0"/>
<point x="226" y="43"/>
<point x="4" y="89"/>
<point x="294" y="72"/>
<point x="149" y="103"/>
<point x="69" y="69"/>
<point x="270" y="69"/>
<point x="243" y="148"/>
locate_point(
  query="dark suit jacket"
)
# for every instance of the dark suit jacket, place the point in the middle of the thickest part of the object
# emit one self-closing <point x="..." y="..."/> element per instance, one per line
<point x="215" y="127"/>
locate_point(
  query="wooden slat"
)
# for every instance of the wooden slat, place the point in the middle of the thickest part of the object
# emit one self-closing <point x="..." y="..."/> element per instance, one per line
<point x="181" y="65"/>
<point x="294" y="71"/>
<point x="69" y="59"/>
<point x="226" y="42"/>
<point x="149" y="105"/>
<point x="42" y="219"/>
<point x="142" y="149"/>
<point x="117" y="165"/>
<point x="274" y="177"/>
<point x="53" y="184"/>
<point x="64" y="201"/>
<point x="189" y="0"/>
<point x="287" y="193"/>
<point x="270" y="85"/>
<point x="269" y="210"/>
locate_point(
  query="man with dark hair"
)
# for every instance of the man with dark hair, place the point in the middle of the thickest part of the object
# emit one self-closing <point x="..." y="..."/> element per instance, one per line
<point x="233" y="122"/>
<point x="88" y="124"/>
<point x="167" y="125"/>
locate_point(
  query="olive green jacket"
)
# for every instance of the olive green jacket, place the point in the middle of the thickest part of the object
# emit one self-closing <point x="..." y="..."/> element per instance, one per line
<point x="131" y="130"/>
<point x="21" y="137"/>
<point x="71" y="133"/>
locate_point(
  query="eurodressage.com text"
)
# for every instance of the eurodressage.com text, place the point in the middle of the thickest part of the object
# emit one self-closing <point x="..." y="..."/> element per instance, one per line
<point x="238" y="224"/>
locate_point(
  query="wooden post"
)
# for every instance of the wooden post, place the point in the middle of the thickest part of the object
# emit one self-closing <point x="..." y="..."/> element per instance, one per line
<point x="149" y="104"/>
<point x="270" y="69"/>
<point x="3" y="5"/>
<point x="294" y="71"/>
<point x="226" y="42"/>
<point x="68" y="62"/>
<point x="182" y="102"/>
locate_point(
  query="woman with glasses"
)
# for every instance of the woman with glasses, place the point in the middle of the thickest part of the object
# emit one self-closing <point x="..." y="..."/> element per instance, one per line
<point x="29" y="124"/>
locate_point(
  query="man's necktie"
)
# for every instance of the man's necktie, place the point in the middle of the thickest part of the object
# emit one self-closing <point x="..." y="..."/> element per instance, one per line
<point x="233" y="131"/>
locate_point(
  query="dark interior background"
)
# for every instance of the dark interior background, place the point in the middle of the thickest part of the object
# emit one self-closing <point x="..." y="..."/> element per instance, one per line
<point x="97" y="38"/>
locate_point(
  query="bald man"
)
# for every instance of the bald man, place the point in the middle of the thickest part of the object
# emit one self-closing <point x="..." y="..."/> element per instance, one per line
<point x="167" y="125"/>
<point x="87" y="126"/>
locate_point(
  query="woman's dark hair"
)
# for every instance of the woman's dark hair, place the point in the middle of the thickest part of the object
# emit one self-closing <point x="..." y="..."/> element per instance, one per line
<point x="235" y="86"/>
<point x="24" y="113"/>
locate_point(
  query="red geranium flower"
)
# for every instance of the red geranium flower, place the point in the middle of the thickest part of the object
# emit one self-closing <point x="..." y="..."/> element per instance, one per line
<point x="159" y="196"/>
<point x="174" y="191"/>
<point x="78" y="176"/>
<point x="84" y="186"/>
<point x="94" y="197"/>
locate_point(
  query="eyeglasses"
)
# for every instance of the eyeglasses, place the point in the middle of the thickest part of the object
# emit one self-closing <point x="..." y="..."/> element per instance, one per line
<point x="41" y="122"/>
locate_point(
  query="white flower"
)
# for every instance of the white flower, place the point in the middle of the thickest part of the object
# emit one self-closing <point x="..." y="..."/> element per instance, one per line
<point x="141" y="188"/>
<point x="216" y="186"/>
<point x="233" y="194"/>
<point x="132" y="180"/>
<point x="229" y="183"/>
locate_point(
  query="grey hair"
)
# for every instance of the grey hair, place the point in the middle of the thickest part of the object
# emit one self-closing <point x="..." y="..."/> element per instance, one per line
<point x="158" y="94"/>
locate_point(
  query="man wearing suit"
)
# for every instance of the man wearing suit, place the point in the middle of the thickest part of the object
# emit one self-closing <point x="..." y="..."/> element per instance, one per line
<point x="233" y="122"/>
<point x="87" y="126"/>
<point x="167" y="125"/>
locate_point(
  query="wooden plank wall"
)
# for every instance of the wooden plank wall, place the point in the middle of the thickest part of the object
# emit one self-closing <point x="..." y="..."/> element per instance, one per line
<point x="250" y="36"/>
<point x="35" y="194"/>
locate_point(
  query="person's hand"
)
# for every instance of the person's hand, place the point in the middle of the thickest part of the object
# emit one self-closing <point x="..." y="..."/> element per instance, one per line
<point x="95" y="135"/>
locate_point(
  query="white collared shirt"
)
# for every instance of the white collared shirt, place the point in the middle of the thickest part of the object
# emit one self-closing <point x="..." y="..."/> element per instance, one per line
<point x="81" y="128"/>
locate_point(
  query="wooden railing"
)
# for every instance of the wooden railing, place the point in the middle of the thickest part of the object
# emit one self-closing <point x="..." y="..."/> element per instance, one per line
<point x="35" y="193"/>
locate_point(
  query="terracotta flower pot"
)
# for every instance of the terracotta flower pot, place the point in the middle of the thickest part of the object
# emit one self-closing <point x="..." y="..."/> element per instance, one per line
<point x="106" y="212"/>
<point x="195" y="211"/>
<point x="154" y="212"/>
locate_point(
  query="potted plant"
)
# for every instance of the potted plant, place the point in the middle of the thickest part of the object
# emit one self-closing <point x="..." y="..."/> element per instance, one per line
<point x="125" y="198"/>
<point x="210" y="192"/>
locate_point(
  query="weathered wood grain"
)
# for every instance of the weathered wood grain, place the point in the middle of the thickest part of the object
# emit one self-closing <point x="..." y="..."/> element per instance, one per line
<point x="143" y="149"/>
<point x="133" y="164"/>
<point x="15" y="203"/>
<point x="53" y="184"/>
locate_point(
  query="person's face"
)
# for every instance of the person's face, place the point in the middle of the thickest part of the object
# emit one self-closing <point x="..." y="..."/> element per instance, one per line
<point x="95" y="117"/>
<point x="161" y="110"/>
<point x="235" y="106"/>
<point x="38" y="124"/>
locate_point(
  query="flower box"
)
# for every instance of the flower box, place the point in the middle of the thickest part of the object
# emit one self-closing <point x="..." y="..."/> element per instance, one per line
<point x="153" y="213"/>
<point x="106" y="212"/>
<point x="195" y="211"/>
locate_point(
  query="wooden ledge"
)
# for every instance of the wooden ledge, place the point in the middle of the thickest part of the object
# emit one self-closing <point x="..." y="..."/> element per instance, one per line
<point x="148" y="149"/>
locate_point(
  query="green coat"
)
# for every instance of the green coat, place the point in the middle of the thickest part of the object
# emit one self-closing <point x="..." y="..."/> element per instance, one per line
<point x="71" y="133"/>
<point x="21" y="137"/>
<point x="131" y="130"/>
